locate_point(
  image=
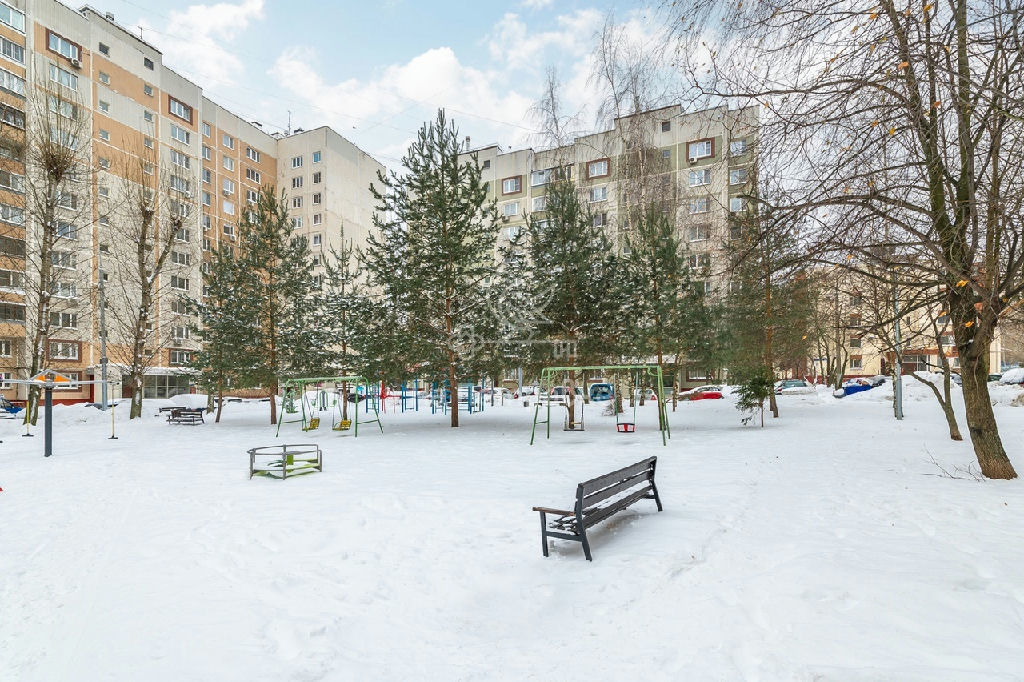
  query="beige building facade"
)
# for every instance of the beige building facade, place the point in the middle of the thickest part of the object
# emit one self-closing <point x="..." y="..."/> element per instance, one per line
<point x="208" y="162"/>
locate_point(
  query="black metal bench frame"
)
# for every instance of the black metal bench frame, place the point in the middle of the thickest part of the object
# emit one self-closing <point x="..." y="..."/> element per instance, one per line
<point x="632" y="483"/>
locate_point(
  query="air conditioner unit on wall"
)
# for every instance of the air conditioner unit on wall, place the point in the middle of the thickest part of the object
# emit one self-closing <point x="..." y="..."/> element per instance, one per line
<point x="693" y="159"/>
<point x="76" y="63"/>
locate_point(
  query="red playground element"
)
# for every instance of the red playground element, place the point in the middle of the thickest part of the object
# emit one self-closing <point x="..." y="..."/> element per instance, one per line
<point x="625" y="427"/>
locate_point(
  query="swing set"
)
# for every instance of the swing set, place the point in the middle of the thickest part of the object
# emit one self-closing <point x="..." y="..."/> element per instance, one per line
<point x="310" y="408"/>
<point x="547" y="381"/>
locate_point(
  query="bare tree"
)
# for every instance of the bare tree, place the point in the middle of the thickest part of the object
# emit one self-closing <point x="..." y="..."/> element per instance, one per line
<point x="153" y="253"/>
<point x="53" y="136"/>
<point x="893" y="125"/>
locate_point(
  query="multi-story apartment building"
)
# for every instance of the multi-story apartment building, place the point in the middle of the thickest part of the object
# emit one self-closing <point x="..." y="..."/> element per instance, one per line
<point x="699" y="163"/>
<point x="208" y="162"/>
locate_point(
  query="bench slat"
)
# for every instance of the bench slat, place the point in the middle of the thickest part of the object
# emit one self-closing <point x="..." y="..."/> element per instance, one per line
<point x="593" y="499"/>
<point x="617" y="506"/>
<point x="595" y="484"/>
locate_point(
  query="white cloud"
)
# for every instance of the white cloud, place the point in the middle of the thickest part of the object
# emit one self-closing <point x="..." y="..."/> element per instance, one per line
<point x="511" y="41"/>
<point x="196" y="40"/>
<point x="403" y="94"/>
<point x="535" y="4"/>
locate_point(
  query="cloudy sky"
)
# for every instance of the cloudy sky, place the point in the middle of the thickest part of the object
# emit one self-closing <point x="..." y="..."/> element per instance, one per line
<point x="375" y="70"/>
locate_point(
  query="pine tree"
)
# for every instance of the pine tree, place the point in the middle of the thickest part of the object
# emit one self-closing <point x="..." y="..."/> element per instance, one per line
<point x="432" y="257"/>
<point x="340" y="312"/>
<point x="225" y="327"/>
<point x="574" y="282"/>
<point x="273" y="278"/>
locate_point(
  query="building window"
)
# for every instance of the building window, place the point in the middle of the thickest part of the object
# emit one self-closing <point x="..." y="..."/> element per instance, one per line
<point x="64" y="320"/>
<point x="597" y="169"/>
<point x="207" y="130"/>
<point x="737" y="147"/>
<point x="666" y="126"/>
<point x="738" y="176"/>
<point x="12" y="181"/>
<point x="510" y="209"/>
<point x="104" y="135"/>
<point x="252" y="196"/>
<point x="228" y="207"/>
<point x="180" y="134"/>
<point x="63" y="350"/>
<point x="700" y="205"/>
<point x="12" y="279"/>
<point x="64" y="77"/>
<point x="297" y="182"/>
<point x="316" y="157"/>
<point x="737" y="204"/>
<point x="700" y="260"/>
<point x="855" y="342"/>
<point x="252" y="154"/>
<point x="207" y="153"/>
<point x="182" y="235"/>
<point x="600" y="219"/>
<point x="598" y="193"/>
<point x="63" y="259"/>
<point x="486" y="164"/>
<point x="698" y="233"/>
<point x="205" y="221"/>
<point x="179" y="159"/>
<point x="12" y="83"/>
<point x="317" y="177"/>
<point x="206" y="198"/>
<point x="147" y="90"/>
<point x="316" y="240"/>
<point x="296" y="202"/>
<point x="856" y="361"/>
<point x="296" y="223"/>
<point x="207" y="244"/>
<point x="317" y="199"/>
<point x="148" y="63"/>
<point x="179" y="109"/>
<point x="12" y="51"/>
<point x="701" y="149"/>
<point x="12" y="17"/>
<point x="227" y="141"/>
<point x="512" y="185"/>
<point x="253" y="175"/>
<point x="207" y="176"/>
<point x="62" y="46"/>
<point x="179" y="283"/>
<point x="666" y="154"/>
<point x="12" y="312"/>
<point x="228" y="163"/>
<point x="5" y="348"/>
<point x="296" y="162"/>
<point x="541" y="177"/>
<point x="148" y="115"/>
<point x="14" y="215"/>
<point x="229" y="186"/>
<point x="539" y="204"/>
<point x="700" y="177"/>
<point x="180" y="357"/>
<point x="317" y="218"/>
<point x="179" y="332"/>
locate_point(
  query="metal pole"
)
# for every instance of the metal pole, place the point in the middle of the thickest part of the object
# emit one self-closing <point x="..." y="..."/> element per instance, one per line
<point x="898" y="379"/>
<point x="48" y="446"/>
<point x="103" y="335"/>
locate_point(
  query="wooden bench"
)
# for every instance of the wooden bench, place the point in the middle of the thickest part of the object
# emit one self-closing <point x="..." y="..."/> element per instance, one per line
<point x="284" y="460"/>
<point x="186" y="415"/>
<point x="597" y="500"/>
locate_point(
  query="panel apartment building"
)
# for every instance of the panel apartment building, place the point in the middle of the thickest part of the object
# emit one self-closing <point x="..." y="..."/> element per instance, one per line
<point x="698" y="164"/>
<point x="136" y="108"/>
<point x="702" y="162"/>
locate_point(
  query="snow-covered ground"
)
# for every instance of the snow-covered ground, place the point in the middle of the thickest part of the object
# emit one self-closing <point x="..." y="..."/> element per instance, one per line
<point x="827" y="546"/>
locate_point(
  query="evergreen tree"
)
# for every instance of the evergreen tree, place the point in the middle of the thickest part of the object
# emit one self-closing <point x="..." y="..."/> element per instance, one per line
<point x="431" y="259"/>
<point x="574" y="282"/>
<point x="273" y="279"/>
<point x="340" y="312"/>
<point x="224" y="330"/>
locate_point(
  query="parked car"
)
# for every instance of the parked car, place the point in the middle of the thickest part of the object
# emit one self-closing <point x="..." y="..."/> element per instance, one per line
<point x="499" y="394"/>
<point x="855" y="386"/>
<point x="878" y="380"/>
<point x="793" y="387"/>
<point x="995" y="377"/>
<point x="1014" y="375"/>
<point x="649" y="394"/>
<point x="601" y="392"/>
<point x="560" y="394"/>
<point x="702" y="393"/>
<point x="529" y="390"/>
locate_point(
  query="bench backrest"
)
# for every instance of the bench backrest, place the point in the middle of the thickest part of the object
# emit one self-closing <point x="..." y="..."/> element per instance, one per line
<point x="597" y="490"/>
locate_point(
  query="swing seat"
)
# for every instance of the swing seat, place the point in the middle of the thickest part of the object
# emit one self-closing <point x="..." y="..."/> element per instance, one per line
<point x="625" y="427"/>
<point x="314" y="424"/>
<point x="343" y="425"/>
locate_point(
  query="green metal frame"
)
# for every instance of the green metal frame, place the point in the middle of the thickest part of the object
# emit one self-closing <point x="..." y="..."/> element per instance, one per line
<point x="300" y="383"/>
<point x="547" y="380"/>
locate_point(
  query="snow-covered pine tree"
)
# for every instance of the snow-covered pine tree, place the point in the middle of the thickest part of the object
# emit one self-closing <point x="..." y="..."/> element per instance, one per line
<point x="433" y="254"/>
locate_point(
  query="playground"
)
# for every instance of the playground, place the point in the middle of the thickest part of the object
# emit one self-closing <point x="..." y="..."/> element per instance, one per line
<point x="414" y="553"/>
